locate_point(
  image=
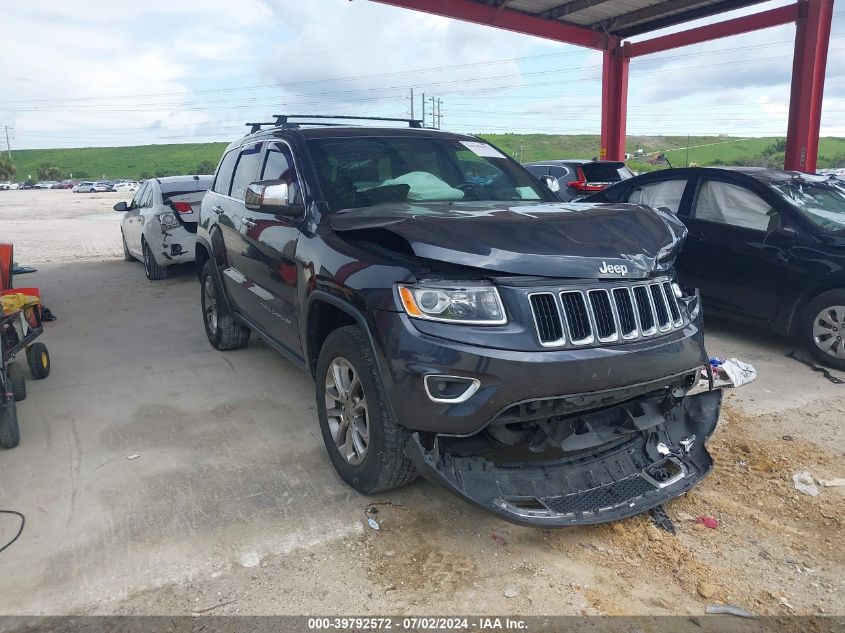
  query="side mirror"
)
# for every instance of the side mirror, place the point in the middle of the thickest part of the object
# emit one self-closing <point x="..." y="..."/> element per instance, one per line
<point x="550" y="182"/>
<point x="121" y="206"/>
<point x="273" y="196"/>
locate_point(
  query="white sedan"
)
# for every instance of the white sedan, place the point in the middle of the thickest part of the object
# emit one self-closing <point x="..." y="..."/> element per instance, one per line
<point x="88" y="186"/>
<point x="160" y="223"/>
<point x="127" y="186"/>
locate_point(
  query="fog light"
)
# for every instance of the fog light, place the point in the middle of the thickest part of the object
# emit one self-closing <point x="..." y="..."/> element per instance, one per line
<point x="450" y="389"/>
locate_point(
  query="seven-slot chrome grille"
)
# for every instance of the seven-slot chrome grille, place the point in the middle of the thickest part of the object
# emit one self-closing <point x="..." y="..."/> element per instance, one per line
<point x="607" y="314"/>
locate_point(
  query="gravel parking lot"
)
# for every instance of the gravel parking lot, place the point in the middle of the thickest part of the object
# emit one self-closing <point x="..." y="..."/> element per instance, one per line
<point x="232" y="505"/>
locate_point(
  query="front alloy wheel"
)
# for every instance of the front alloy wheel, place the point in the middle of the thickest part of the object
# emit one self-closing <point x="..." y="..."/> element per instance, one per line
<point x="822" y="328"/>
<point x="828" y="331"/>
<point x="346" y="411"/>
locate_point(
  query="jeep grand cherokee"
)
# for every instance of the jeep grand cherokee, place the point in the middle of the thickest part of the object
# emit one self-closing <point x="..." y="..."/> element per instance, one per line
<point x="534" y="357"/>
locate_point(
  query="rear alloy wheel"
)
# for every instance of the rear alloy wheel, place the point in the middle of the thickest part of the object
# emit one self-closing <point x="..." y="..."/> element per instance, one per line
<point x="221" y="328"/>
<point x="152" y="270"/>
<point x="824" y="328"/>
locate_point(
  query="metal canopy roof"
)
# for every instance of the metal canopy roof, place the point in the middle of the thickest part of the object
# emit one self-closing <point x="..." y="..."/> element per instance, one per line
<point x="623" y="18"/>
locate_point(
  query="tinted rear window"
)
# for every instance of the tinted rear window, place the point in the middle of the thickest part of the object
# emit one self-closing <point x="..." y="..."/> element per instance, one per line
<point x="188" y="185"/>
<point x="605" y="172"/>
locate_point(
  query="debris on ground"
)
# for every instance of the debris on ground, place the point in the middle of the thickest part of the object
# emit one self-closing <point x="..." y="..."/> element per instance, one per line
<point x="706" y="589"/>
<point x="834" y="379"/>
<point x="731" y="372"/>
<point x="373" y="523"/>
<point x="662" y="520"/>
<point x="805" y="483"/>
<point x="498" y="539"/>
<point x="728" y="609"/>
<point x="510" y="592"/>
<point x="832" y="483"/>
<point x="133" y="456"/>
<point x="708" y="522"/>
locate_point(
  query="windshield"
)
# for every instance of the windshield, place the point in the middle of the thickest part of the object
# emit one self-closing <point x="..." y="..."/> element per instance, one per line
<point x="823" y="203"/>
<point x="359" y="171"/>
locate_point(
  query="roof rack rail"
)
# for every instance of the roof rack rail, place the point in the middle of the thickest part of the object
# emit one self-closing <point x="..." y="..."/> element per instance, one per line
<point x="255" y="127"/>
<point x="283" y="119"/>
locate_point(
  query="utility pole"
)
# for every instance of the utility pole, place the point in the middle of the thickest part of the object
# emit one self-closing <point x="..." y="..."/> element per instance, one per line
<point x="433" y="114"/>
<point x="687" y="150"/>
<point x="412" y="102"/>
<point x="423" y="109"/>
<point x="8" y="146"/>
<point x="439" y="116"/>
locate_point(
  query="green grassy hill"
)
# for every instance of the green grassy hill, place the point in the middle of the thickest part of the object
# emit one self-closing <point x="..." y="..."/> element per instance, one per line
<point x="119" y="162"/>
<point x="161" y="160"/>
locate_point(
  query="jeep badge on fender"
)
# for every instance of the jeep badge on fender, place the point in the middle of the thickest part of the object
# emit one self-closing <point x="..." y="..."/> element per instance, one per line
<point x="615" y="269"/>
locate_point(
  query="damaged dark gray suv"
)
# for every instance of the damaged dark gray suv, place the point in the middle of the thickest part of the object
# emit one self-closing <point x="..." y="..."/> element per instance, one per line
<point x="534" y="357"/>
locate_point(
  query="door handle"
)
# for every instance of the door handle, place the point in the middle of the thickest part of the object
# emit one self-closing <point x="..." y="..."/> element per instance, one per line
<point x="248" y="222"/>
<point x="217" y="209"/>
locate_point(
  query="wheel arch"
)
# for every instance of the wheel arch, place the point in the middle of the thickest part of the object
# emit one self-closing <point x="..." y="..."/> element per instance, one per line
<point x="324" y="314"/>
<point x="793" y="317"/>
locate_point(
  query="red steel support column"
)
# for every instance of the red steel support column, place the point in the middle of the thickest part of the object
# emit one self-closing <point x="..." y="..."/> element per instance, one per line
<point x="614" y="101"/>
<point x="808" y="67"/>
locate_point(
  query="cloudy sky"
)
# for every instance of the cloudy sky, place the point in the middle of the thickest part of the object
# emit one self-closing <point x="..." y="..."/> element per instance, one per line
<point x="95" y="72"/>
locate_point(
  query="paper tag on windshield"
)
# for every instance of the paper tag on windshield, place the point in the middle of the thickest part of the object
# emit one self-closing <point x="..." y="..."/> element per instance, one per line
<point x="482" y="149"/>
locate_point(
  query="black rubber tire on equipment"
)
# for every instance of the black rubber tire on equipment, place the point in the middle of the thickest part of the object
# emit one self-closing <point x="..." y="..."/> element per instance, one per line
<point x="127" y="256"/>
<point x="38" y="359"/>
<point x="829" y="298"/>
<point x="228" y="333"/>
<point x="10" y="434"/>
<point x="152" y="270"/>
<point x="17" y="376"/>
<point x="385" y="465"/>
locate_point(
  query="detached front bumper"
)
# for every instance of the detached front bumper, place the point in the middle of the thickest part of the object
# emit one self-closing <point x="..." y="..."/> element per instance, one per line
<point x="638" y="470"/>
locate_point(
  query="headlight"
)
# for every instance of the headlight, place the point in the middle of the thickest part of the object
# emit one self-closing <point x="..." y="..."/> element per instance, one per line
<point x="478" y="305"/>
<point x="168" y="220"/>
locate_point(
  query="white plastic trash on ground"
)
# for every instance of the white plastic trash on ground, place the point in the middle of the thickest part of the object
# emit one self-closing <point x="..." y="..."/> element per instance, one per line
<point x="732" y="372"/>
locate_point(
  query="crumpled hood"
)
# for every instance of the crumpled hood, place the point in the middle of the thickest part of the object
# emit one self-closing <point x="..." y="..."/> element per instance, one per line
<point x="584" y="240"/>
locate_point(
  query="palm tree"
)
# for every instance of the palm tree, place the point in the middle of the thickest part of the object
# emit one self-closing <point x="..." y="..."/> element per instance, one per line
<point x="7" y="168"/>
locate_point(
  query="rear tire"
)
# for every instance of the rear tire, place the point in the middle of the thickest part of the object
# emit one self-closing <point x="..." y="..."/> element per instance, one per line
<point x="383" y="464"/>
<point x="152" y="270"/>
<point x="10" y="435"/>
<point x="823" y="328"/>
<point x="17" y="376"/>
<point x="221" y="328"/>
<point x="38" y="359"/>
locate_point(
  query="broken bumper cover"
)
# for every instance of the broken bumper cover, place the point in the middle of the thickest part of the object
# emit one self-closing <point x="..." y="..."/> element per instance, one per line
<point x="620" y="479"/>
<point x="175" y="246"/>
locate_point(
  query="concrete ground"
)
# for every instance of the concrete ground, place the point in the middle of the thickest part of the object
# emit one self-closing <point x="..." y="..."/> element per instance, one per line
<point x="232" y="505"/>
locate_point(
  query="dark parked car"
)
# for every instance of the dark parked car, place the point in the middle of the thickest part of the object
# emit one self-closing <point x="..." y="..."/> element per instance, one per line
<point x="765" y="246"/>
<point x="580" y="178"/>
<point x="532" y="357"/>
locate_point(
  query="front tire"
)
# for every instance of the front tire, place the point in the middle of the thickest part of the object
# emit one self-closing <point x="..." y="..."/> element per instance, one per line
<point x="152" y="270"/>
<point x="221" y="328"/>
<point x="10" y="435"/>
<point x="365" y="444"/>
<point x="17" y="377"/>
<point x="823" y="328"/>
